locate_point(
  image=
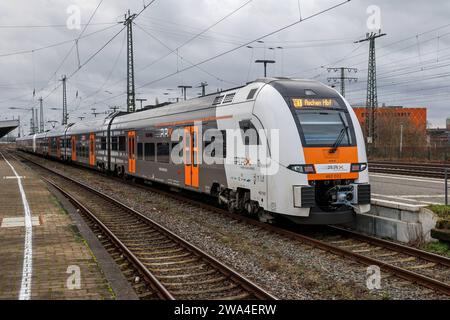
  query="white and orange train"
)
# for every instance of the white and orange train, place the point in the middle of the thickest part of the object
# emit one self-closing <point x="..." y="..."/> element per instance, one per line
<point x="321" y="174"/>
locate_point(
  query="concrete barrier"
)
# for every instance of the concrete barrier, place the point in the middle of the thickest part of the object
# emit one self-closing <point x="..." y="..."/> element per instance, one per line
<point x="396" y="221"/>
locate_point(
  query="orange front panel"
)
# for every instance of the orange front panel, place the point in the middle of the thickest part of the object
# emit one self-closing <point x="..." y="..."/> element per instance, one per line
<point x="187" y="142"/>
<point x="92" y="149"/>
<point x="323" y="156"/>
<point x="74" y="148"/>
<point x="131" y="152"/>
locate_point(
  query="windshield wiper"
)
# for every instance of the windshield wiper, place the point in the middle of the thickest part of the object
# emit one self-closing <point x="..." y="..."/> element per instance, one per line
<point x="340" y="137"/>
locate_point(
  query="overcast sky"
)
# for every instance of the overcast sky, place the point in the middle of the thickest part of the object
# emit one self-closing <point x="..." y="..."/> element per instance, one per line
<point x="412" y="60"/>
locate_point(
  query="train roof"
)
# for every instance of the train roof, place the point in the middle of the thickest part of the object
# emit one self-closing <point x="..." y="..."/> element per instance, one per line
<point x="92" y="125"/>
<point x="287" y="87"/>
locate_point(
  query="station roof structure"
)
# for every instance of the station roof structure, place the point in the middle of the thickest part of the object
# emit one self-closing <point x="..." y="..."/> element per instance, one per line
<point x="7" y="126"/>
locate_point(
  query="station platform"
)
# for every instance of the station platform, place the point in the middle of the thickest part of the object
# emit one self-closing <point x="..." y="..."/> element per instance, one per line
<point x="42" y="255"/>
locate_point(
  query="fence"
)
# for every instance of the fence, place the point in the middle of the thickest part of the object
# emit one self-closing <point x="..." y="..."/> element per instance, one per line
<point x="439" y="154"/>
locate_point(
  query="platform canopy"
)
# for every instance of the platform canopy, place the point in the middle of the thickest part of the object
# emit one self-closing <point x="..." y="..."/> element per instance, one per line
<point x="7" y="126"/>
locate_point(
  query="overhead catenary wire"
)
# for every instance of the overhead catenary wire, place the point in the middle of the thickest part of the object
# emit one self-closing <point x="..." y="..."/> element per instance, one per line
<point x="183" y="58"/>
<point x="233" y="49"/>
<point x="185" y="43"/>
<point x="249" y="42"/>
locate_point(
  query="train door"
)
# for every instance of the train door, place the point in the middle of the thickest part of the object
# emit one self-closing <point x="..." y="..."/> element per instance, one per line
<point x="58" y="148"/>
<point x="92" y="149"/>
<point x="74" y="148"/>
<point x="132" y="151"/>
<point x="191" y="150"/>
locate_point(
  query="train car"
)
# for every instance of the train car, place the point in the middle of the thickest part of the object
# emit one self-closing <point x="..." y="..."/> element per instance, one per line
<point x="52" y="143"/>
<point x="275" y="147"/>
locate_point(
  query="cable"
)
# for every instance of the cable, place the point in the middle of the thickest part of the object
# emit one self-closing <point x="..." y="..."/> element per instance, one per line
<point x="185" y="43"/>
<point x="247" y="43"/>
<point x="170" y="49"/>
<point x="196" y="36"/>
<point x="54" y="44"/>
<point x="110" y="73"/>
<point x="50" y="25"/>
<point x="233" y="49"/>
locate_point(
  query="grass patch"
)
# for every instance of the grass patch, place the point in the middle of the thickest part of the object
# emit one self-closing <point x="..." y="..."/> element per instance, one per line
<point x="441" y="210"/>
<point x="76" y="233"/>
<point x="56" y="202"/>
<point x="438" y="247"/>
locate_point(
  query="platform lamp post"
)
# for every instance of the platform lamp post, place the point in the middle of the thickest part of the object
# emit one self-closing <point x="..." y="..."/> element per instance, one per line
<point x="67" y="112"/>
<point x="53" y="123"/>
<point x="175" y="99"/>
<point x="184" y="90"/>
<point x="265" y="62"/>
<point x="141" y="100"/>
<point x="274" y="49"/>
<point x="33" y="126"/>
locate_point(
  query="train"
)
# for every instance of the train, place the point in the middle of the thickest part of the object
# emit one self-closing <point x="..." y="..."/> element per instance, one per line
<point x="275" y="147"/>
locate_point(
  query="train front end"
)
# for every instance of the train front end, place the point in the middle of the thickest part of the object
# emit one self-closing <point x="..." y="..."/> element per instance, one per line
<point x="323" y="163"/>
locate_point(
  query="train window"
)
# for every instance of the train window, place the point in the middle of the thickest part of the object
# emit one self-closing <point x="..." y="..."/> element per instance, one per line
<point x="251" y="94"/>
<point x="103" y="143"/>
<point x="325" y="128"/>
<point x="149" y="151"/>
<point x="122" y="143"/>
<point x="250" y="135"/>
<point x="224" y="139"/>
<point x="162" y="152"/>
<point x="140" y="151"/>
<point x="114" y="144"/>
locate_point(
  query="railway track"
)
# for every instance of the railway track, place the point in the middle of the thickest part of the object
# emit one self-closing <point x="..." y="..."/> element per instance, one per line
<point x="408" y="263"/>
<point x="172" y="267"/>
<point x="429" y="170"/>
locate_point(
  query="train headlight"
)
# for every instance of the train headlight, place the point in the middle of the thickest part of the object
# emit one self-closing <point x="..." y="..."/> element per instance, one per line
<point x="302" y="168"/>
<point x="358" y="167"/>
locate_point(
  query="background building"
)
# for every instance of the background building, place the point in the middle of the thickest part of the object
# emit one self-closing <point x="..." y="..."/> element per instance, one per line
<point x="415" y="118"/>
<point x="399" y="132"/>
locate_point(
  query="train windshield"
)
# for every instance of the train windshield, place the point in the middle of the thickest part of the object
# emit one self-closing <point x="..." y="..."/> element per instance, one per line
<point x="325" y="127"/>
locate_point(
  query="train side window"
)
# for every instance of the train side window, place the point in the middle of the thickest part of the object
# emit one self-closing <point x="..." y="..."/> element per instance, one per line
<point x="149" y="151"/>
<point x="162" y="152"/>
<point x="250" y="135"/>
<point x="122" y="143"/>
<point x="224" y="139"/>
<point x="114" y="144"/>
<point x="103" y="143"/>
<point x="140" y="151"/>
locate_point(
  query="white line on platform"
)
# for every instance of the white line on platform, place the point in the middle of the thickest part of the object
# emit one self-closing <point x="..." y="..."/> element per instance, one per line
<point x="408" y="178"/>
<point x="27" y="270"/>
<point x="401" y="197"/>
<point x="13" y="177"/>
<point x="422" y="196"/>
<point x="396" y="202"/>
